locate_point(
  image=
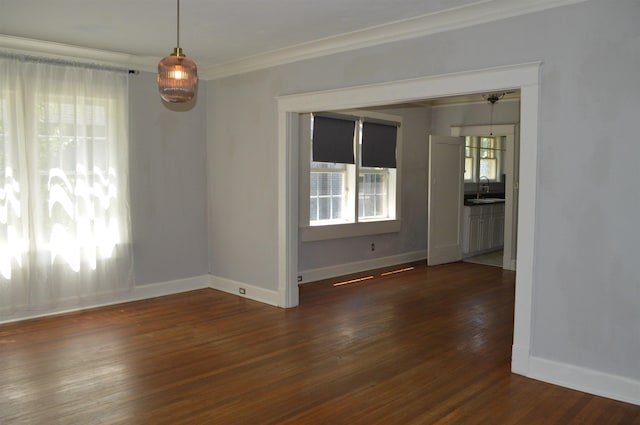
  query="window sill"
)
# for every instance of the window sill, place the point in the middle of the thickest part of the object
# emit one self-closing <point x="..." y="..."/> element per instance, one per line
<point x="348" y="230"/>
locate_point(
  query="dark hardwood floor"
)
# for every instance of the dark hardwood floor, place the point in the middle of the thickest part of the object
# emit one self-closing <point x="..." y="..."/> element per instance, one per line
<point x="425" y="346"/>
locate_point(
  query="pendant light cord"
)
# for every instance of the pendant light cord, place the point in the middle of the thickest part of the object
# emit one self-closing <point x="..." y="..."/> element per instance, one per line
<point x="178" y="25"/>
<point x="491" y="120"/>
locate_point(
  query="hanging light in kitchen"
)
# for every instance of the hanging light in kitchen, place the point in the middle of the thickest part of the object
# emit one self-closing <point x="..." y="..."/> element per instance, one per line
<point x="492" y="98"/>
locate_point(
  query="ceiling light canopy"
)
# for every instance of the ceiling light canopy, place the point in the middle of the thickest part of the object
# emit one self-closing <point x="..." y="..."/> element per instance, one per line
<point x="177" y="74"/>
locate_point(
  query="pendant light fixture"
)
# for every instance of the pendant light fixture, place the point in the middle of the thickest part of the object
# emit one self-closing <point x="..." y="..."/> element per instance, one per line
<point x="177" y="74"/>
<point x="492" y="98"/>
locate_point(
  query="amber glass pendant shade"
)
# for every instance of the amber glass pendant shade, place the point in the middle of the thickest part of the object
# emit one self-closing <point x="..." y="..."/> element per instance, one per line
<point x="177" y="74"/>
<point x="177" y="78"/>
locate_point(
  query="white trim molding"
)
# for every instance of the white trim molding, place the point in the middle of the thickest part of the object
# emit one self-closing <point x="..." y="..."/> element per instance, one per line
<point x="313" y="275"/>
<point x="584" y="379"/>
<point x="349" y="230"/>
<point x="523" y="76"/>
<point x="140" y="292"/>
<point x="51" y="50"/>
<point x="477" y="13"/>
<point x="480" y="12"/>
<point x="250" y="291"/>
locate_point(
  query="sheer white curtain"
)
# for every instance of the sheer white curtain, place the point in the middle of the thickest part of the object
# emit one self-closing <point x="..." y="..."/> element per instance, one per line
<point x="64" y="211"/>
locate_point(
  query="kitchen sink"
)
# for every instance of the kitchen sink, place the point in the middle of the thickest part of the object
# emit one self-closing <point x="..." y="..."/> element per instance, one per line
<point x="485" y="200"/>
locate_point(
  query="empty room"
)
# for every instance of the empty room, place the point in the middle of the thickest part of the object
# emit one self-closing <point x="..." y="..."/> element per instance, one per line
<point x="319" y="212"/>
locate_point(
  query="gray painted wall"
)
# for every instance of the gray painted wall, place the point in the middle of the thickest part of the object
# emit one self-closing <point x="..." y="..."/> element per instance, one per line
<point x="242" y="179"/>
<point x="168" y="185"/>
<point x="585" y="289"/>
<point x="444" y="117"/>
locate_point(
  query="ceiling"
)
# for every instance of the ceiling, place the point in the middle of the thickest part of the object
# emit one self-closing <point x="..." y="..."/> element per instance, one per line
<point x="218" y="32"/>
<point x="212" y="31"/>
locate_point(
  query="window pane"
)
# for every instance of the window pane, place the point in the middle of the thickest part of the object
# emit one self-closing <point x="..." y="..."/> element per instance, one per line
<point x="313" y="190"/>
<point x="488" y="168"/>
<point x="336" y="184"/>
<point x="372" y="194"/>
<point x="324" y="188"/>
<point x="326" y="194"/>
<point x="468" y="169"/>
<point x="336" y="207"/>
<point x="324" y="212"/>
<point x="313" y="213"/>
<point x="380" y="205"/>
<point x="487" y="153"/>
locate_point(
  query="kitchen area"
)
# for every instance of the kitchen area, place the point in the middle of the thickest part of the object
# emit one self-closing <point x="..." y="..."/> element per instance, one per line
<point x="489" y="213"/>
<point x="483" y="225"/>
<point x="483" y="215"/>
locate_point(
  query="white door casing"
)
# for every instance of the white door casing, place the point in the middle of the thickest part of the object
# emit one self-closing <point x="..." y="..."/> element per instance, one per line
<point x="525" y="77"/>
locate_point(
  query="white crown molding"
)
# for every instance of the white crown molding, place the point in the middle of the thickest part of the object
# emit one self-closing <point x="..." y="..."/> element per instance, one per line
<point x="51" y="50"/>
<point x="478" y="13"/>
<point x="481" y="12"/>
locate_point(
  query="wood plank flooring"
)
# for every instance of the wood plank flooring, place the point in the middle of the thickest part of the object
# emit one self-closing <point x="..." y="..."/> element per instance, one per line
<point x="424" y="346"/>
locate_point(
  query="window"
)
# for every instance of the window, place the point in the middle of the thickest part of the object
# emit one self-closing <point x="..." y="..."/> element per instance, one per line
<point x="326" y="194"/>
<point x="73" y="165"/>
<point x="483" y="158"/>
<point x="352" y="169"/>
<point x="65" y="236"/>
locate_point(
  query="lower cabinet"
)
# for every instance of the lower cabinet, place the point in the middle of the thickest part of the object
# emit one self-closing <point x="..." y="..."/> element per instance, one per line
<point x="483" y="228"/>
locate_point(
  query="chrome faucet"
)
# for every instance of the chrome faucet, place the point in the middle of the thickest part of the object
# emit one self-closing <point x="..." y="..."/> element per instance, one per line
<point x="483" y="187"/>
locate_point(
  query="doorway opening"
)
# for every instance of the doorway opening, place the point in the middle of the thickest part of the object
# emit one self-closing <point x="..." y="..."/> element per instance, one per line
<point x="488" y="221"/>
<point x="524" y="77"/>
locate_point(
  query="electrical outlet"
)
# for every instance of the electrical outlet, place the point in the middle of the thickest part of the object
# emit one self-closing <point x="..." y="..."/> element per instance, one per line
<point x="242" y="291"/>
<point x="300" y="278"/>
<point x="373" y="247"/>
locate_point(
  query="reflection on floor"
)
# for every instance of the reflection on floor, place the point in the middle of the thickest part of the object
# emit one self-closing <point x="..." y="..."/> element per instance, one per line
<point x="490" y="259"/>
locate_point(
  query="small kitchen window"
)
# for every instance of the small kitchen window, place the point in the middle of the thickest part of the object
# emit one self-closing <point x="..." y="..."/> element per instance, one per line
<point x="484" y="158"/>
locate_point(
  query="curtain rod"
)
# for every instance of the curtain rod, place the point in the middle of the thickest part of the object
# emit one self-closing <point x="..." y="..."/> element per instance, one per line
<point x="65" y="62"/>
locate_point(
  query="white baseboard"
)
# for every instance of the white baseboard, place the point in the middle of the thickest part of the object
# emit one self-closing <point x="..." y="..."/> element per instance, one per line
<point x="585" y="380"/>
<point x="250" y="291"/>
<point x="140" y="292"/>
<point x="520" y="360"/>
<point x="153" y="290"/>
<point x="313" y="275"/>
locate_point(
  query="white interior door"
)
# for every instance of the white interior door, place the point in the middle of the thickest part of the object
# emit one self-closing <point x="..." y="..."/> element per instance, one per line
<point x="446" y="198"/>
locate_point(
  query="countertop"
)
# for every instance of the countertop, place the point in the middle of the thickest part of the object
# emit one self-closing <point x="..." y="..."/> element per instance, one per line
<point x="472" y="202"/>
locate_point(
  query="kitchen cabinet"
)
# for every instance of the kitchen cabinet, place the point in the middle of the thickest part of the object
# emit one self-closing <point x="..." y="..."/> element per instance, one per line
<point x="483" y="228"/>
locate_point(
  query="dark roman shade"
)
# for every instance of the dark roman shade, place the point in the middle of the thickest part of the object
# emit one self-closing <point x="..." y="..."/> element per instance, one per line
<point x="333" y="139"/>
<point x="379" y="145"/>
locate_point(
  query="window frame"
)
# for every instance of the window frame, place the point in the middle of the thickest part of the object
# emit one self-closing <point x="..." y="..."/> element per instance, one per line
<point x="343" y="171"/>
<point x="356" y="226"/>
<point x="476" y="157"/>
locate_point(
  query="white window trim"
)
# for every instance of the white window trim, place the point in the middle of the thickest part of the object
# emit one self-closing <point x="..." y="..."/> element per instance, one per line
<point x="499" y="157"/>
<point x="352" y="229"/>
